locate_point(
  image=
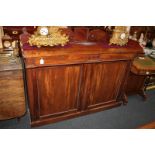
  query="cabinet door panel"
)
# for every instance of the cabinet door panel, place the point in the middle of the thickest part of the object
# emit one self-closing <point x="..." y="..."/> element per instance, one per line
<point x="58" y="89"/>
<point x="102" y="82"/>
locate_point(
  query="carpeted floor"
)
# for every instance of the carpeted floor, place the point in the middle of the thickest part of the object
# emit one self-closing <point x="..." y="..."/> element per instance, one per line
<point x="136" y="113"/>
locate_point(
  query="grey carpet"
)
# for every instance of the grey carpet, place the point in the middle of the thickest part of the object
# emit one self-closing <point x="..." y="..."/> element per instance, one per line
<point x="133" y="115"/>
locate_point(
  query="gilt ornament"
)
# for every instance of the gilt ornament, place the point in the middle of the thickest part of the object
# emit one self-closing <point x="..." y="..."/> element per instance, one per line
<point x="53" y="36"/>
<point x="120" y="35"/>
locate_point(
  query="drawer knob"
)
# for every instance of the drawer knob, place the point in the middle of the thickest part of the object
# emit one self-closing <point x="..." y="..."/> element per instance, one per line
<point x="42" y="61"/>
<point x="147" y="73"/>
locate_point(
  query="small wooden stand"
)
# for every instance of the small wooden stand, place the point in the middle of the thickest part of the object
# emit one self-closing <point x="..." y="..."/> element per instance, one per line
<point x="142" y="67"/>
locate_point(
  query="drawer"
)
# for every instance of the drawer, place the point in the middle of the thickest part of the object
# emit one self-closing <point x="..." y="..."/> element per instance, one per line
<point x="73" y="59"/>
<point x="84" y="57"/>
<point x="61" y="59"/>
<point x="116" y="57"/>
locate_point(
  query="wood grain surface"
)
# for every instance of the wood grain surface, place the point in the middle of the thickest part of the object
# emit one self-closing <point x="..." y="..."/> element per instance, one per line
<point x="12" y="97"/>
<point x="75" y="80"/>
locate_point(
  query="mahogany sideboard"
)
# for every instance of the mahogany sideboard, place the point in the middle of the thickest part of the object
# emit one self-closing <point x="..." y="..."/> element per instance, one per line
<point x="70" y="81"/>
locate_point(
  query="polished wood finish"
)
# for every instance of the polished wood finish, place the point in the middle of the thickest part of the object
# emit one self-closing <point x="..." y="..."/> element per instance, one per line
<point x="141" y="71"/>
<point x="135" y="85"/>
<point x="101" y="82"/>
<point x="12" y="98"/>
<point x="98" y="35"/>
<point x="148" y="126"/>
<point x="58" y="100"/>
<point x="75" y="80"/>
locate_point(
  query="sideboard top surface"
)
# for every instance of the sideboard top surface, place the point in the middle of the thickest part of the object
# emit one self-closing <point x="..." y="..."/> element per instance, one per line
<point x="73" y="48"/>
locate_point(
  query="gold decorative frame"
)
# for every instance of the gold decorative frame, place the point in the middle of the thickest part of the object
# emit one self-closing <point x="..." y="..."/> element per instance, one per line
<point x="1" y="35"/>
<point x="116" y="36"/>
<point x="54" y="37"/>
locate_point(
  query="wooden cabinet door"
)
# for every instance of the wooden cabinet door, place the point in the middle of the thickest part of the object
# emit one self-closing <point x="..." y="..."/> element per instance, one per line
<point x="102" y="83"/>
<point x="58" y="89"/>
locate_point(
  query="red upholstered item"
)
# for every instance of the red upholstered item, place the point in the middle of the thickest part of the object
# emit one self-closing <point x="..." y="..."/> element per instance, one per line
<point x="130" y="44"/>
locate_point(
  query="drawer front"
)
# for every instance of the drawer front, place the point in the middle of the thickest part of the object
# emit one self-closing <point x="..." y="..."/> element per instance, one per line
<point x="116" y="57"/>
<point x="74" y="59"/>
<point x="60" y="59"/>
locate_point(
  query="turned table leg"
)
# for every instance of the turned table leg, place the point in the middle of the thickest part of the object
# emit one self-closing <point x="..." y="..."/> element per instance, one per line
<point x="18" y="119"/>
<point x="125" y="99"/>
<point x="143" y="94"/>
